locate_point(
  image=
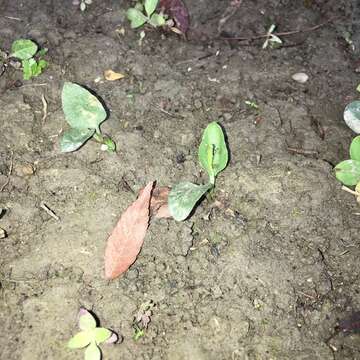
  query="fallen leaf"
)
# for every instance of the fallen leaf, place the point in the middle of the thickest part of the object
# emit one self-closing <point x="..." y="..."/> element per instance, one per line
<point x="177" y="10"/>
<point x="127" y="238"/>
<point x="112" y="75"/>
<point x="158" y="203"/>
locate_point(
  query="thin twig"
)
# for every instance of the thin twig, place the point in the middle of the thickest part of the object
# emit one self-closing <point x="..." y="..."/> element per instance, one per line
<point x="45" y="106"/>
<point x="279" y="34"/>
<point x="350" y="191"/>
<point x="229" y="12"/>
<point x="49" y="211"/>
<point x="303" y="151"/>
<point x="178" y="116"/>
<point x="12" y="18"/>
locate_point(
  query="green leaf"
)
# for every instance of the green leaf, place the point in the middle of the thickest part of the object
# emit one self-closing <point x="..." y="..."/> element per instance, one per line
<point x="101" y="335"/>
<point x="348" y="172"/>
<point x="80" y="340"/>
<point x="26" y="64"/>
<point x="213" y="154"/>
<point x="82" y="109"/>
<point x="92" y="352"/>
<point x="183" y="197"/>
<point x="42" y="52"/>
<point x="111" y="146"/>
<point x="87" y="321"/>
<point x="150" y="6"/>
<point x="136" y="17"/>
<point x="23" y="49"/>
<point x="72" y="139"/>
<point x="157" y="20"/>
<point x="355" y="148"/>
<point x="352" y="116"/>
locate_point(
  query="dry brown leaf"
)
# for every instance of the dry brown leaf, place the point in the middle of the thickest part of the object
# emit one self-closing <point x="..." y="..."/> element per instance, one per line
<point x="127" y="238"/>
<point x="112" y="75"/>
<point x="159" y="202"/>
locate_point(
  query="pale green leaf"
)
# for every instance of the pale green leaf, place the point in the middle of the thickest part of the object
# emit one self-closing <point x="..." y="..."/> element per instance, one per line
<point x="352" y="116"/>
<point x="136" y="17"/>
<point x="183" y="197"/>
<point x="87" y="321"/>
<point x="348" y="172"/>
<point x="92" y="352"/>
<point x="80" y="340"/>
<point x="81" y="108"/>
<point x="101" y="335"/>
<point x="358" y="88"/>
<point x="23" y="49"/>
<point x="157" y="20"/>
<point x="72" y="139"/>
<point x="150" y="6"/>
<point x="355" y="148"/>
<point x="213" y="154"/>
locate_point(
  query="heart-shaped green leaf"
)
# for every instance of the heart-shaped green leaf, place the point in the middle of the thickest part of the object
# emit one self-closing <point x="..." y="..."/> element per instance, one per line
<point x="23" y="49"/>
<point x="352" y="116"/>
<point x="136" y="17"/>
<point x="157" y="20"/>
<point x="80" y="340"/>
<point x="72" y="139"/>
<point x="213" y="154"/>
<point x="150" y="6"/>
<point x="101" y="335"/>
<point x="355" y="148"/>
<point x="92" y="352"/>
<point x="183" y="197"/>
<point x="348" y="172"/>
<point x="81" y="108"/>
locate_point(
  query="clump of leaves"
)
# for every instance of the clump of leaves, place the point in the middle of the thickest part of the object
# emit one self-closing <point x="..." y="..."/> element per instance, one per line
<point x="213" y="157"/>
<point x="348" y="171"/>
<point x="272" y="40"/>
<point x="142" y="319"/>
<point x="84" y="113"/>
<point x="32" y="59"/>
<point x="145" y="13"/>
<point x="91" y="336"/>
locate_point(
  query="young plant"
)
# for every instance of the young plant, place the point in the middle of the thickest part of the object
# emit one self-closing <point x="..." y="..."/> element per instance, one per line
<point x="142" y="319"/>
<point x="82" y="4"/>
<point x="84" y="113"/>
<point x="352" y="115"/>
<point x="91" y="336"/>
<point x="213" y="157"/>
<point x="145" y="12"/>
<point x="271" y="39"/>
<point x="30" y="56"/>
<point x="348" y="171"/>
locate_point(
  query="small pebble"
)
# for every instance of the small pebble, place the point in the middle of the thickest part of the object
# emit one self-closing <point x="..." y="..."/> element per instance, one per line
<point x="301" y="78"/>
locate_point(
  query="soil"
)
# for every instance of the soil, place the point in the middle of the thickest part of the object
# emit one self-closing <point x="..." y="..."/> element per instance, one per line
<point x="267" y="269"/>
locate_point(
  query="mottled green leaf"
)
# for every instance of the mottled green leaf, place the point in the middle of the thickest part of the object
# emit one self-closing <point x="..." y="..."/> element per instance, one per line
<point x="213" y="154"/>
<point x="157" y="20"/>
<point x="28" y="66"/>
<point x="92" y="352"/>
<point x="150" y="6"/>
<point x="136" y="17"/>
<point x="352" y="116"/>
<point x="101" y="335"/>
<point x="72" y="139"/>
<point x="111" y="146"/>
<point x="23" y="49"/>
<point x="87" y="321"/>
<point x="183" y="197"/>
<point x="355" y="148"/>
<point x="81" y="108"/>
<point x="80" y="340"/>
<point x="348" y="172"/>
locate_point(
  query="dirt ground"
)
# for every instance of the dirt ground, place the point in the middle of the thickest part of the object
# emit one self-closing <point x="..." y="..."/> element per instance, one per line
<point x="265" y="274"/>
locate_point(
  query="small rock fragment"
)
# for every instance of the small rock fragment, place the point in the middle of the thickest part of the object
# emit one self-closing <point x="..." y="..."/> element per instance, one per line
<point x="301" y="78"/>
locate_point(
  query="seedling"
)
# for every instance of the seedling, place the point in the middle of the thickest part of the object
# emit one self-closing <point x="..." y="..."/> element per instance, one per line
<point x="82" y="4"/>
<point x="142" y="319"/>
<point x="252" y="104"/>
<point x="348" y="171"/>
<point x="213" y="157"/>
<point x="91" y="336"/>
<point x="352" y="115"/>
<point x="31" y="58"/>
<point x="271" y="39"/>
<point x="145" y="13"/>
<point x="84" y="113"/>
